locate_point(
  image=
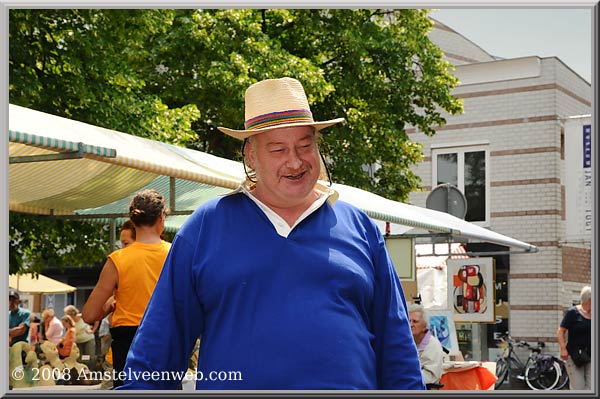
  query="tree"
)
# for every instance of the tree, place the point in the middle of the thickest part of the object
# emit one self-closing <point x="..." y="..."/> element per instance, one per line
<point x="376" y="68"/>
<point x="39" y="242"/>
<point x="83" y="64"/>
<point x="175" y="75"/>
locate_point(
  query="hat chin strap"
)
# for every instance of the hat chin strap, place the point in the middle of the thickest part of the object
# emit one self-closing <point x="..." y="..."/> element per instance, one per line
<point x="326" y="169"/>
<point x="253" y="180"/>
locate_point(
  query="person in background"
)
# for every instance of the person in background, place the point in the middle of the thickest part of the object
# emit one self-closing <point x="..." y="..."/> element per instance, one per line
<point x="575" y="340"/>
<point x="86" y="341"/>
<point x="285" y="284"/>
<point x="106" y="351"/>
<point x="104" y="333"/>
<point x="18" y="319"/>
<point x="66" y="343"/>
<point x="131" y="273"/>
<point x="53" y="327"/>
<point x="431" y="355"/>
<point x="34" y="330"/>
<point x="127" y="235"/>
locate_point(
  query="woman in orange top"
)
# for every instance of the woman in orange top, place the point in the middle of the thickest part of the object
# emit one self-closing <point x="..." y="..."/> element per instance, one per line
<point x="127" y="236"/>
<point x="131" y="273"/>
<point x="66" y="343"/>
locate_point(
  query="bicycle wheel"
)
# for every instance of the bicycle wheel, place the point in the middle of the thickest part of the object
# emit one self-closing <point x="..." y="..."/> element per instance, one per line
<point x="563" y="381"/>
<point x="501" y="371"/>
<point x="542" y="380"/>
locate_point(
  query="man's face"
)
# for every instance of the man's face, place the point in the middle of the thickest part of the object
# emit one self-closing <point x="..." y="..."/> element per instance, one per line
<point x="286" y="162"/>
<point x="13" y="303"/>
<point x="417" y="327"/>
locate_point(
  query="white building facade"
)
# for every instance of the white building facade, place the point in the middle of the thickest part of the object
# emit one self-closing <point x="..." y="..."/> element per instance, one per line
<point x="506" y="153"/>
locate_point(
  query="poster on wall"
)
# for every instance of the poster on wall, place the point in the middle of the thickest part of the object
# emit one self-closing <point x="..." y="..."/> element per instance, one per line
<point x="442" y="327"/>
<point x="471" y="289"/>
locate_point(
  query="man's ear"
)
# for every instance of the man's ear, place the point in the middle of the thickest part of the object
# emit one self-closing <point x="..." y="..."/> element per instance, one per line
<point x="249" y="151"/>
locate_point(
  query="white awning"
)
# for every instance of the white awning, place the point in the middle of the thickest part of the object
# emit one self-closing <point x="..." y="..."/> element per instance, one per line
<point x="39" y="284"/>
<point x="81" y="169"/>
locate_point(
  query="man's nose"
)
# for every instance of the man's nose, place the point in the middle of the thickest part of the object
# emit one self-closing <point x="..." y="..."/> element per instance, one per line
<point x="293" y="161"/>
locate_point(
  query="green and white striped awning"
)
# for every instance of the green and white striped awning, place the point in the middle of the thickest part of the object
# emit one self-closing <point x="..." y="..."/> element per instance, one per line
<point x="59" y="166"/>
<point x="47" y="176"/>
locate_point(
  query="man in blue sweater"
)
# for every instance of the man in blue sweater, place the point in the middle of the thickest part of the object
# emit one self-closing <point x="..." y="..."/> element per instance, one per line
<point x="287" y="287"/>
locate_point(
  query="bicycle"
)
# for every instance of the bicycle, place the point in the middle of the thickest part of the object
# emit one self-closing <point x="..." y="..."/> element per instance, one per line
<point x="540" y="372"/>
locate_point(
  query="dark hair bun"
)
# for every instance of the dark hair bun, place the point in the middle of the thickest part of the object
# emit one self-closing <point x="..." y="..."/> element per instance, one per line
<point x="146" y="207"/>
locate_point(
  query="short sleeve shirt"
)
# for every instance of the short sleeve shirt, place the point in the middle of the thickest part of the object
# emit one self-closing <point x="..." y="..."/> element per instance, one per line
<point x="17" y="317"/>
<point x="579" y="328"/>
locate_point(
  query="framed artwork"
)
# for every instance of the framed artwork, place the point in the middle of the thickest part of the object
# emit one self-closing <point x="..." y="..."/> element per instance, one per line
<point x="471" y="289"/>
<point x="441" y="324"/>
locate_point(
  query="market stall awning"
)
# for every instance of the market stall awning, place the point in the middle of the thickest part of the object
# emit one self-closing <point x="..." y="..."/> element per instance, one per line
<point x="59" y="166"/>
<point x="39" y="284"/>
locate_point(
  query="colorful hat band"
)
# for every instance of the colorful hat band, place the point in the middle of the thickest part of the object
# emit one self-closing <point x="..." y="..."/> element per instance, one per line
<point x="279" y="118"/>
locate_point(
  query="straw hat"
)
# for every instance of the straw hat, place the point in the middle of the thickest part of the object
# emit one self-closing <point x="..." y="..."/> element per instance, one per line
<point x="273" y="104"/>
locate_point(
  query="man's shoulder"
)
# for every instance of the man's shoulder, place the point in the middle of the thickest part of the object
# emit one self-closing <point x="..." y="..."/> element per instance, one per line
<point x="342" y="207"/>
<point x="219" y="204"/>
<point x="347" y="207"/>
<point x="211" y="210"/>
<point x="24" y="311"/>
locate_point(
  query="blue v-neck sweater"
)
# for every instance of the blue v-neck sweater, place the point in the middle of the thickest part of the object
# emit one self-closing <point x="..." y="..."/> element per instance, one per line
<point x="320" y="309"/>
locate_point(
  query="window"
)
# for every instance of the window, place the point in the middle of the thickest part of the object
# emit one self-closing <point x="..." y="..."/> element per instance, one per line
<point x="466" y="168"/>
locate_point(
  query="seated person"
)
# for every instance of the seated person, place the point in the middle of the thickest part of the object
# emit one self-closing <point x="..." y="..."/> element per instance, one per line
<point x="431" y="354"/>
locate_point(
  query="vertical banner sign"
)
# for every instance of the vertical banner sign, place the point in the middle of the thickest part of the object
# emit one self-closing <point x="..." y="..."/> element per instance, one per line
<point x="587" y="146"/>
<point x="578" y="178"/>
<point x="587" y="178"/>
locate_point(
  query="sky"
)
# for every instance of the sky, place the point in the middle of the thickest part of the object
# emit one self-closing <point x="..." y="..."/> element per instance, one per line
<point x="511" y="33"/>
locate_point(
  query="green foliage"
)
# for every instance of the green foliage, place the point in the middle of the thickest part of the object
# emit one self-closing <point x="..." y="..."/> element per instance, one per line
<point x="387" y="76"/>
<point x="175" y="75"/>
<point x="90" y="65"/>
<point x="36" y="243"/>
<point x="375" y="68"/>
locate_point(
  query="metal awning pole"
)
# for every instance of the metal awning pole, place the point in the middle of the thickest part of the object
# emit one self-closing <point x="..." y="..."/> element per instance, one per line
<point x="113" y="234"/>
<point x="172" y="194"/>
<point x="478" y="254"/>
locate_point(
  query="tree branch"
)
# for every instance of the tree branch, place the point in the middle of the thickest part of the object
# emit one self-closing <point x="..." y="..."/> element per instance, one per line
<point x="263" y="13"/>
<point x="329" y="61"/>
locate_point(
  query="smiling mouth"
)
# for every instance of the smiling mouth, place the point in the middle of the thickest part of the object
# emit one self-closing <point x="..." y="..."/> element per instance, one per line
<point x="295" y="177"/>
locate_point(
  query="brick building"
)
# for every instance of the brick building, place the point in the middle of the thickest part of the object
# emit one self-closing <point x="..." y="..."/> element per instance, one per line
<point x="506" y="153"/>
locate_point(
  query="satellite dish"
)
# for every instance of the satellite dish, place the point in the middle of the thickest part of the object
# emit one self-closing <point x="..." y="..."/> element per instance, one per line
<point x="447" y="198"/>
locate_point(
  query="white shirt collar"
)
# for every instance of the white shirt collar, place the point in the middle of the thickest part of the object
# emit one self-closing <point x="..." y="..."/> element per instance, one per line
<point x="283" y="229"/>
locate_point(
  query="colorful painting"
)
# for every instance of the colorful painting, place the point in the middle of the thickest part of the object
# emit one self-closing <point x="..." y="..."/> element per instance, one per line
<point x="471" y="289"/>
<point x="442" y="326"/>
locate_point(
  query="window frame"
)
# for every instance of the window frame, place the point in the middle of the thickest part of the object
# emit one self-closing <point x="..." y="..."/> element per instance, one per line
<point x="460" y="151"/>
